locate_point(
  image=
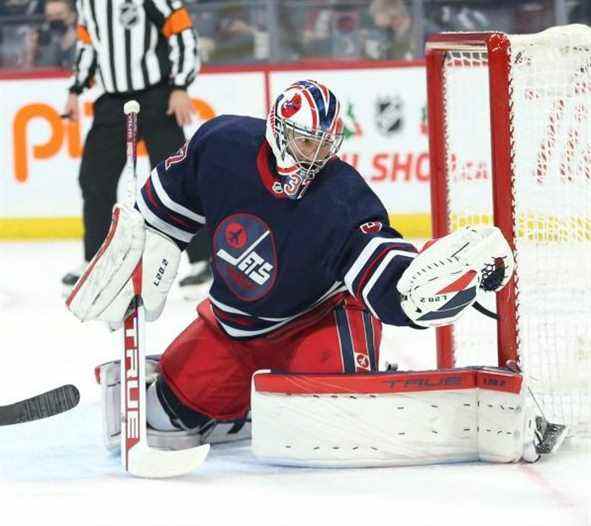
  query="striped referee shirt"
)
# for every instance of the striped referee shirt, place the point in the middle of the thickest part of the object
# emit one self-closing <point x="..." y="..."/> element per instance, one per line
<point x="131" y="45"/>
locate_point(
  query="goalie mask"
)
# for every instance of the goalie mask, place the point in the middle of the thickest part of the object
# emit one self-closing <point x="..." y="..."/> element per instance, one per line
<point x="304" y="130"/>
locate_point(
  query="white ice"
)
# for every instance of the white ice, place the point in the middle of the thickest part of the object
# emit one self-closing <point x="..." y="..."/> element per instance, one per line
<point x="55" y="472"/>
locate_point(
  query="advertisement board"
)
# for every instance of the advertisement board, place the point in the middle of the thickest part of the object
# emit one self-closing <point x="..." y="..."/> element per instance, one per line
<point x="385" y="133"/>
<point x="384" y="112"/>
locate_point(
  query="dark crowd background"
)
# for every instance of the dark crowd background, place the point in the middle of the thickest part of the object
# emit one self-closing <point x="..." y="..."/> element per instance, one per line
<point x="42" y="33"/>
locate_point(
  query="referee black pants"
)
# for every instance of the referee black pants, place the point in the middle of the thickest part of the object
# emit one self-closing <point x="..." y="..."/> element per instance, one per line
<point x="104" y="157"/>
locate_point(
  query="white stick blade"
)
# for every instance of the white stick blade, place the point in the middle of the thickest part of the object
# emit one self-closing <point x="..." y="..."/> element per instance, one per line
<point x="147" y="462"/>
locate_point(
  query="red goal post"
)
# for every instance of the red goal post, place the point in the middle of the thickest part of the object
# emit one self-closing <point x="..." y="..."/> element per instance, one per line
<point x="510" y="143"/>
<point x="496" y="47"/>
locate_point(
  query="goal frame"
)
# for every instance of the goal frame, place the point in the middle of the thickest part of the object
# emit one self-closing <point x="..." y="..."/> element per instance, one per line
<point x="497" y="47"/>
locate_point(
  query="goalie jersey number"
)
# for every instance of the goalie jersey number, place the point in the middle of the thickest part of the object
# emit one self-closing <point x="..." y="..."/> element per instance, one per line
<point x="245" y="255"/>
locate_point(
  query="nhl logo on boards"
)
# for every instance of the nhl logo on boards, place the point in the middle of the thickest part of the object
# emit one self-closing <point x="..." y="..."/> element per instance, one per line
<point x="389" y="115"/>
<point x="128" y="15"/>
<point x="245" y="255"/>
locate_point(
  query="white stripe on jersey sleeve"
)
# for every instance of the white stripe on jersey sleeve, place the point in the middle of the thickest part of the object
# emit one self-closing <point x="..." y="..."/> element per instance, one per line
<point x="365" y="255"/>
<point x="167" y="228"/>
<point x="191" y="64"/>
<point x="118" y="51"/>
<point x="154" y="73"/>
<point x="87" y="55"/>
<point x="169" y="203"/>
<point x="164" y="7"/>
<point x="100" y="29"/>
<point x="375" y="276"/>
<point x="137" y="51"/>
<point x="174" y="54"/>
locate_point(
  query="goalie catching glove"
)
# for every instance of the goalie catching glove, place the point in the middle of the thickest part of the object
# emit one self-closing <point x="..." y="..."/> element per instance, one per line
<point x="106" y="288"/>
<point x="446" y="277"/>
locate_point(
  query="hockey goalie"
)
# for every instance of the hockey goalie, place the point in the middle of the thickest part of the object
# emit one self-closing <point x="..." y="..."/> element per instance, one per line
<point x="306" y="271"/>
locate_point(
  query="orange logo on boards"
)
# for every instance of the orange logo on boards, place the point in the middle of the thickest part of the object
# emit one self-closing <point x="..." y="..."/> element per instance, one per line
<point x="63" y="132"/>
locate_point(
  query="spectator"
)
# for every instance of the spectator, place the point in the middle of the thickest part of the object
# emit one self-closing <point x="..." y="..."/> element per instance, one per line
<point x="291" y="20"/>
<point x="230" y="34"/>
<point x="332" y="31"/>
<point x="346" y="36"/>
<point x="580" y="13"/>
<point x="316" y="32"/>
<point x="458" y="18"/>
<point x="56" y="42"/>
<point x="389" y="35"/>
<point x="532" y="17"/>
<point x="21" y="7"/>
<point x="17" y="32"/>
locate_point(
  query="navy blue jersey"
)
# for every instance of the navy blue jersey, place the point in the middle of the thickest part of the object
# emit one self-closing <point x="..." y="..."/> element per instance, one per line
<point x="274" y="258"/>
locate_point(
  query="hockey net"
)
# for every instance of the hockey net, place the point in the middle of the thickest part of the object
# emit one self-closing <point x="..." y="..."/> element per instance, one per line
<point x="510" y="141"/>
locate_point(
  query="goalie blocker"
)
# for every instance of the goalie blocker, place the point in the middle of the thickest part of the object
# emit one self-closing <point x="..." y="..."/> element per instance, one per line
<point x="395" y="419"/>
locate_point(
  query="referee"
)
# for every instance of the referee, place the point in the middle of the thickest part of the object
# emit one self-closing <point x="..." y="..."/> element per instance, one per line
<point x="142" y="50"/>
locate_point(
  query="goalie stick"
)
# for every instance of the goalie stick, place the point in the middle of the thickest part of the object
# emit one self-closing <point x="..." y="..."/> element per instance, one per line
<point x="51" y="403"/>
<point x="136" y="456"/>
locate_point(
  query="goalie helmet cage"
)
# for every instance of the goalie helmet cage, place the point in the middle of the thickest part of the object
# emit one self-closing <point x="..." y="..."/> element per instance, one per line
<point x="510" y="143"/>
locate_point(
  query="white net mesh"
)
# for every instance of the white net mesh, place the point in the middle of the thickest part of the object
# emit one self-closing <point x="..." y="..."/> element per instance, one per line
<point x="550" y="93"/>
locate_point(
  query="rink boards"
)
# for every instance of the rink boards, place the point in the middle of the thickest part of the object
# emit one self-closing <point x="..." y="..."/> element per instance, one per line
<point x="385" y="121"/>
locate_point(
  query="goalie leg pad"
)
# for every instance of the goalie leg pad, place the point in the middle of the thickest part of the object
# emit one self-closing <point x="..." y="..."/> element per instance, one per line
<point x="108" y="376"/>
<point x="390" y="419"/>
<point x="171" y="435"/>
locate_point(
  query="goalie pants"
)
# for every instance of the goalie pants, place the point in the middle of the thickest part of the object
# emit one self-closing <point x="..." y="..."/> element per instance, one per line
<point x="104" y="157"/>
<point x="210" y="372"/>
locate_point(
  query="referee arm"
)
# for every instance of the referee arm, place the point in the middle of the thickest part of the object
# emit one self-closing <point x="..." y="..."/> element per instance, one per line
<point x="174" y="22"/>
<point x="84" y="66"/>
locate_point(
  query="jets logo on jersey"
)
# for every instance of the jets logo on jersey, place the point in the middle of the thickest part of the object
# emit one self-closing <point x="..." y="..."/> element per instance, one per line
<point x="245" y="255"/>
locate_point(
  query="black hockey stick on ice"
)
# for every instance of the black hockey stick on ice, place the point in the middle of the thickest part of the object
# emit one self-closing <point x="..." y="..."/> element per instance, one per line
<point x="48" y="404"/>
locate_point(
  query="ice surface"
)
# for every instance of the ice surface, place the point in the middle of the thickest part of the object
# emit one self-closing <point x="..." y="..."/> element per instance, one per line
<point x="56" y="472"/>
